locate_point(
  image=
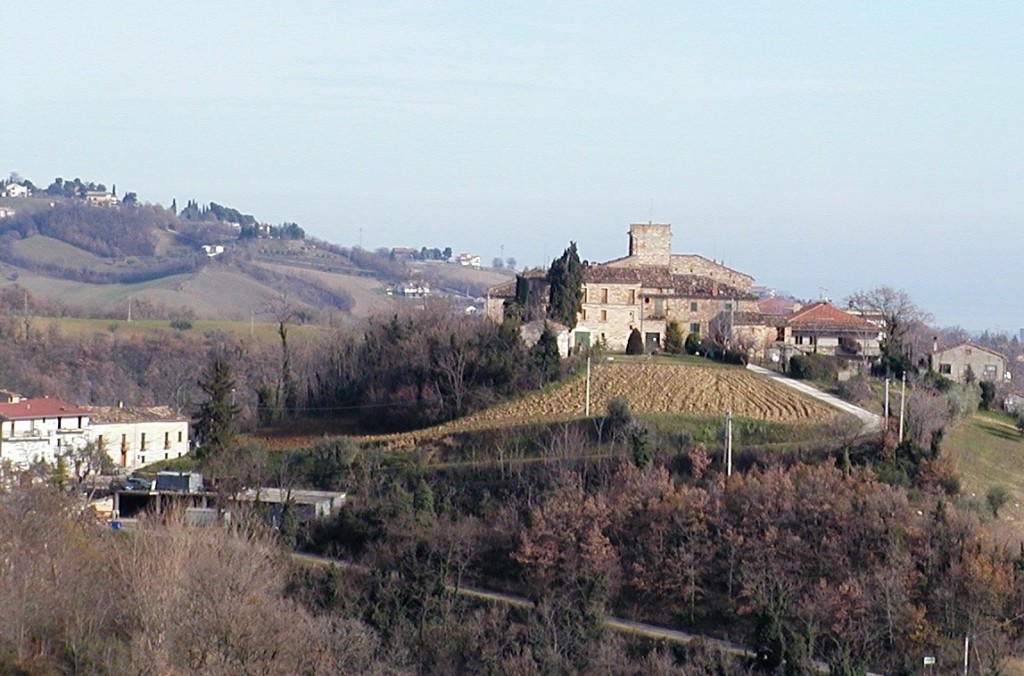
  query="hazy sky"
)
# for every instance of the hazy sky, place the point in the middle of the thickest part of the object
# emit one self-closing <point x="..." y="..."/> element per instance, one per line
<point x="820" y="147"/>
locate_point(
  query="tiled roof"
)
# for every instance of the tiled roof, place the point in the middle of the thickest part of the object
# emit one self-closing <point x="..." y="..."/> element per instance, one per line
<point x="825" y="317"/>
<point x="43" y="407"/>
<point x="973" y="346"/>
<point x="777" y="306"/>
<point x="119" y="414"/>
<point x="686" y="286"/>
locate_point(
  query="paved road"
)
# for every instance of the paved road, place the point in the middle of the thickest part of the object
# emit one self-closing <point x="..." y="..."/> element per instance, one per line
<point x="872" y="422"/>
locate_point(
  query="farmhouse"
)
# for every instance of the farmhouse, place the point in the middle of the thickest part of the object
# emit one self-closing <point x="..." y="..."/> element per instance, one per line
<point x="33" y="430"/>
<point x="100" y="198"/>
<point x="957" y="361"/>
<point x="134" y="437"/>
<point x="825" y="329"/>
<point x="15" y="190"/>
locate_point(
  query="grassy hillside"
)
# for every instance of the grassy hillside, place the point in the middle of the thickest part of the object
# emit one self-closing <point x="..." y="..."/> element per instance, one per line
<point x="988" y="450"/>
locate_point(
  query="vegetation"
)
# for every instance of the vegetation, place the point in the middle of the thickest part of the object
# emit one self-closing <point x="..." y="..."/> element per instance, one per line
<point x="674" y="342"/>
<point x="565" y="280"/>
<point x="635" y="344"/>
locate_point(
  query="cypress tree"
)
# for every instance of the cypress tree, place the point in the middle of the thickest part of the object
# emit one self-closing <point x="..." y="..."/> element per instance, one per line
<point x="565" y="280"/>
<point x="215" y="417"/>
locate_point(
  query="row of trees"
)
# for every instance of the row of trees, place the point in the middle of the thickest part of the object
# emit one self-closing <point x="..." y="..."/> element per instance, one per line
<point x="408" y="371"/>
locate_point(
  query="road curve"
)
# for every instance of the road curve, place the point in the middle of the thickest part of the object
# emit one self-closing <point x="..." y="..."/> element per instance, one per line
<point x="871" y="422"/>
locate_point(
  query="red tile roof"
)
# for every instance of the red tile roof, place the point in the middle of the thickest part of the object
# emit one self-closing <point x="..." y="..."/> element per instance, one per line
<point x="825" y="317"/>
<point x="777" y="306"/>
<point x="44" y="407"/>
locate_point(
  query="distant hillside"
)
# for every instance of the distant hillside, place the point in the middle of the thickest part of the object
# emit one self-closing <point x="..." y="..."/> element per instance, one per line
<point x="88" y="258"/>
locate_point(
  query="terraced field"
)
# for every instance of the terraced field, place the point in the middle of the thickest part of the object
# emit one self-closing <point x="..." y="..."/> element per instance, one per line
<point x="650" y="388"/>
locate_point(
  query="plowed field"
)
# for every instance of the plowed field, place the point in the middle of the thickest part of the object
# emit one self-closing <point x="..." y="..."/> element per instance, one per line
<point x="651" y="388"/>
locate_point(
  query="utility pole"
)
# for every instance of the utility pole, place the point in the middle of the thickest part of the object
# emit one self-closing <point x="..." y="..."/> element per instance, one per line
<point x="903" y="398"/>
<point x="252" y="322"/>
<point x="728" y="443"/>
<point x="887" y="402"/>
<point x="586" y="405"/>
<point x="129" y="307"/>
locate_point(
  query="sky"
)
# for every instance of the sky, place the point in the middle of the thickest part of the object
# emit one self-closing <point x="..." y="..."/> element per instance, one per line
<point x="822" y="147"/>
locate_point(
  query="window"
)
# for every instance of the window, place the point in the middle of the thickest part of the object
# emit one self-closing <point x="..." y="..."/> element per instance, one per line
<point x="632" y="296"/>
<point x="989" y="372"/>
<point x="780" y="333"/>
<point x="124" y="443"/>
<point x="583" y="314"/>
<point x="946" y="369"/>
<point x="728" y="306"/>
<point x="142" y="460"/>
<point x="142" y="446"/>
<point x="799" y="340"/>
<point x="695" y="327"/>
<point x="604" y="315"/>
<point x="167" y="456"/>
<point x="693" y="306"/>
<point x="179" y="436"/>
<point x="604" y="295"/>
<point x="167" y="441"/>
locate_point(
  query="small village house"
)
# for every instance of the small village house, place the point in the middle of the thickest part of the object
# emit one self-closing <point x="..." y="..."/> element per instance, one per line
<point x="957" y="361"/>
<point x="41" y="429"/>
<point x="15" y="190"/>
<point x="137" y="436"/>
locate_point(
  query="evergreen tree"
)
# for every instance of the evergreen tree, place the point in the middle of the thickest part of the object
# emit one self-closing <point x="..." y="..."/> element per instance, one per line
<point x="635" y="344"/>
<point x="214" y="419"/>
<point x="565" y="280"/>
<point x="674" y="338"/>
<point x="546" y="356"/>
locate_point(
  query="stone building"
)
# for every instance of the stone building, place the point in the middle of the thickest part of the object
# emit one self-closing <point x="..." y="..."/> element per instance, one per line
<point x="646" y="290"/>
<point x="956" y="361"/>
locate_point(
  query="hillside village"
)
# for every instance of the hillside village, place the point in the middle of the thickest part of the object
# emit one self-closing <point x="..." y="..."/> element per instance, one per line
<point x="654" y="437"/>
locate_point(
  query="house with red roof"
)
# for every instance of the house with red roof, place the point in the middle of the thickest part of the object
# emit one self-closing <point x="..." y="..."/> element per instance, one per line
<point x="40" y="429"/>
<point x="822" y="328"/>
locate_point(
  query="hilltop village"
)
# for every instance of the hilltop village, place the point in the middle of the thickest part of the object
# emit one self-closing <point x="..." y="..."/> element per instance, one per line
<point x="411" y="462"/>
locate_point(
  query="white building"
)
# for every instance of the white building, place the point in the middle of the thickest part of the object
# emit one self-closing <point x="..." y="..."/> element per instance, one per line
<point x="134" y="437"/>
<point x="469" y="260"/>
<point x="15" y="190"/>
<point x="41" y="429"/>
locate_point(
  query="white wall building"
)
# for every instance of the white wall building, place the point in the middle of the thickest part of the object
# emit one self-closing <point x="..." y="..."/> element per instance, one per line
<point x="134" y="437"/>
<point x="41" y="429"/>
<point x="15" y="190"/>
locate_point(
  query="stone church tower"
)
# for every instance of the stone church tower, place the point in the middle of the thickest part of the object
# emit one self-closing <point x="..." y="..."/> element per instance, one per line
<point x="650" y="244"/>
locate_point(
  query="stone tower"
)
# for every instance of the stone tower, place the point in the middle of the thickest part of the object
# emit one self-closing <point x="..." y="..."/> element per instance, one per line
<point x="651" y="243"/>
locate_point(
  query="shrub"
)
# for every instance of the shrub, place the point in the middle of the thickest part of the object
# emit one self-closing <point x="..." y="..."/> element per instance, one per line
<point x="813" y="367"/>
<point x="988" y="394"/>
<point x="692" y="343"/>
<point x="635" y="344"/>
<point x="181" y="324"/>
<point x="996" y="497"/>
<point x="674" y="343"/>
<point x="853" y="390"/>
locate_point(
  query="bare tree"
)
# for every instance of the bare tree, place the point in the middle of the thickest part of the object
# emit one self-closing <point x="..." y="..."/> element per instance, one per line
<point x="898" y="313"/>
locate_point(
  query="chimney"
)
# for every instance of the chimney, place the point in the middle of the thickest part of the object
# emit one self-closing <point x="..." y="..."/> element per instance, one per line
<point x="935" y="343"/>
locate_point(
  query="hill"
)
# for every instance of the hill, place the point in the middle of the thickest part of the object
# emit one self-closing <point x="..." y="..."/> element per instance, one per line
<point x="651" y="388"/>
<point x="86" y="260"/>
